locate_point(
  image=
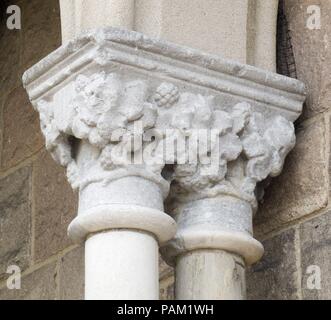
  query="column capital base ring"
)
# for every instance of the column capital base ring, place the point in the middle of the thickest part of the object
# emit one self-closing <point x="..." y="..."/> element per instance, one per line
<point x="117" y="216"/>
<point x="240" y="243"/>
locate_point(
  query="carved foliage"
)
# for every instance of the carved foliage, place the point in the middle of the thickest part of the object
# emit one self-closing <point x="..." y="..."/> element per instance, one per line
<point x="249" y="147"/>
<point x="113" y="115"/>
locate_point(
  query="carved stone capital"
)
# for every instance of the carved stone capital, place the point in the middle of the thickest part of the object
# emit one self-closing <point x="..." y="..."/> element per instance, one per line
<point x="110" y="101"/>
<point x="243" y="147"/>
<point x="213" y="200"/>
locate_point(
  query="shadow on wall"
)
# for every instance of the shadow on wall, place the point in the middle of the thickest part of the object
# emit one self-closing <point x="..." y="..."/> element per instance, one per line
<point x="285" y="56"/>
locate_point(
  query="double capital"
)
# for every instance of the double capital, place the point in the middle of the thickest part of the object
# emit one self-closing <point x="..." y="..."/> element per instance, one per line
<point x="144" y="126"/>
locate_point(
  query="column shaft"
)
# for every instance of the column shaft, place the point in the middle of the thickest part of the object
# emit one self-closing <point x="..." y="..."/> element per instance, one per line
<point x="210" y="275"/>
<point x="121" y="264"/>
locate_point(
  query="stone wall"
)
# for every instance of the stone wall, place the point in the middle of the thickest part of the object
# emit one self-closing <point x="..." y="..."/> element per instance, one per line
<point x="293" y="222"/>
<point x="36" y="202"/>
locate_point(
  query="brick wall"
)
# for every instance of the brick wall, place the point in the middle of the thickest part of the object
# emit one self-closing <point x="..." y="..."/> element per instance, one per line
<point x="36" y="202"/>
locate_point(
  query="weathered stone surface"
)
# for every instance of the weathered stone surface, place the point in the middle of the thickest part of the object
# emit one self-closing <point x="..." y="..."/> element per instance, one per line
<point x="276" y="275"/>
<point x="1" y="128"/>
<point x="256" y="135"/>
<point x="311" y="51"/>
<point x="38" y="285"/>
<point x="241" y="102"/>
<point x="167" y="289"/>
<point x="315" y="236"/>
<point x="41" y="31"/>
<point x="15" y="222"/>
<point x="55" y="207"/>
<point x="302" y="188"/>
<point x="21" y="133"/>
<point x="72" y="275"/>
<point x="164" y="269"/>
<point x="9" y="59"/>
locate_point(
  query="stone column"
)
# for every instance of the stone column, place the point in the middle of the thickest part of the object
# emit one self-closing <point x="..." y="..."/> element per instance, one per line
<point x="93" y="113"/>
<point x="120" y="213"/>
<point x="106" y="101"/>
<point x="213" y="200"/>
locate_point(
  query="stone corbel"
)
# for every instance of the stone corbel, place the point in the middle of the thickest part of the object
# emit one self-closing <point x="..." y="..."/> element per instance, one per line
<point x="99" y="94"/>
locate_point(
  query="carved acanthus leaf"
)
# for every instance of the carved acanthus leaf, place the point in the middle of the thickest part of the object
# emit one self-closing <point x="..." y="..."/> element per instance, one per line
<point x="255" y="147"/>
<point x="127" y="119"/>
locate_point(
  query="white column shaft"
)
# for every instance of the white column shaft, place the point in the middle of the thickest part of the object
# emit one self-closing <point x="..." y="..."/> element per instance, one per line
<point x="210" y="275"/>
<point x="121" y="264"/>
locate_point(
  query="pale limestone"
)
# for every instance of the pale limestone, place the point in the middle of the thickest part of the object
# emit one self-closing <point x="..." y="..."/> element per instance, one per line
<point x="101" y="82"/>
<point x="261" y="34"/>
<point x="83" y="15"/>
<point x="210" y="275"/>
<point x="130" y="270"/>
<point x="243" y="30"/>
<point x="303" y="187"/>
<point x="211" y="26"/>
